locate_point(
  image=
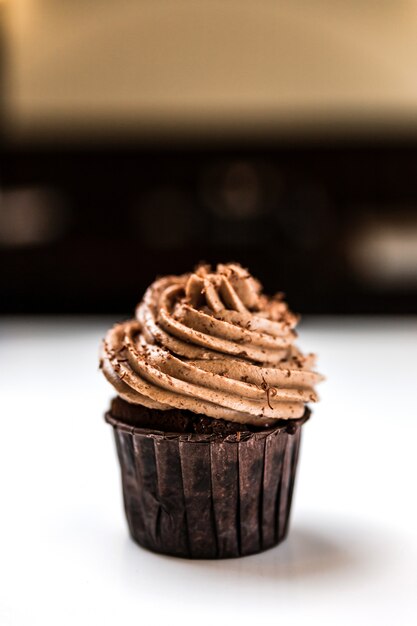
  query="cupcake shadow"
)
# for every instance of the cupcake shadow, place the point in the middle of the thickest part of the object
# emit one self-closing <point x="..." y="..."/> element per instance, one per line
<point x="306" y="553"/>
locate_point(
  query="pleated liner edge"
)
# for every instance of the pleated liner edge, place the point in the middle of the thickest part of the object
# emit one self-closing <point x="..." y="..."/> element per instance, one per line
<point x="201" y="497"/>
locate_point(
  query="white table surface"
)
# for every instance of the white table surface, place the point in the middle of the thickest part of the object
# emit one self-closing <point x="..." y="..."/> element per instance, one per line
<point x="65" y="555"/>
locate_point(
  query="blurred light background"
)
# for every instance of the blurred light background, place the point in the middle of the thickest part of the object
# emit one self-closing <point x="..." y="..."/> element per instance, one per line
<point x="139" y="137"/>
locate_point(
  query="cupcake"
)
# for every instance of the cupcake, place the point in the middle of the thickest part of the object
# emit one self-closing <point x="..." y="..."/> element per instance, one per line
<point x="212" y="393"/>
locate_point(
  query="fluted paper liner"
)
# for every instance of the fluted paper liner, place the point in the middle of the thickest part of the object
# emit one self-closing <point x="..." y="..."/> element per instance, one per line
<point x="201" y="496"/>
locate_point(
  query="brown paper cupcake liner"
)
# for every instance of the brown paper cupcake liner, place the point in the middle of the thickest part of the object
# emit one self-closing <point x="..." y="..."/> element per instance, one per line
<point x="207" y="497"/>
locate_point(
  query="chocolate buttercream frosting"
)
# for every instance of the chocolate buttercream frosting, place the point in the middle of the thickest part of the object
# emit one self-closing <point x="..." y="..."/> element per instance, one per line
<point x="212" y="343"/>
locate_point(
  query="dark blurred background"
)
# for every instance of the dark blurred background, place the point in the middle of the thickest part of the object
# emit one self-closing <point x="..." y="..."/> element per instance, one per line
<point x="138" y="138"/>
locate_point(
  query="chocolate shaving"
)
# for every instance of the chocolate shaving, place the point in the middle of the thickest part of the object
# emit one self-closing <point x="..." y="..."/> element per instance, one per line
<point x="270" y="392"/>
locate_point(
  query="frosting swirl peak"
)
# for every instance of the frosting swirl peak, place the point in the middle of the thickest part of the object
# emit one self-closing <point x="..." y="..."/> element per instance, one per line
<point x="213" y="343"/>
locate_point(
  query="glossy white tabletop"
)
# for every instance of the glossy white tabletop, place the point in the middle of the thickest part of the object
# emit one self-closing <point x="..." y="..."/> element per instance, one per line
<point x="65" y="554"/>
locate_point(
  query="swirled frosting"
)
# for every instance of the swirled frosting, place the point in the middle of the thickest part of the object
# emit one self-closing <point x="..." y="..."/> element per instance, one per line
<point x="211" y="342"/>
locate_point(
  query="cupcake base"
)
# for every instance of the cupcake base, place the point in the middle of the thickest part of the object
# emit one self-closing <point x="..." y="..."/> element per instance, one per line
<point x="212" y="489"/>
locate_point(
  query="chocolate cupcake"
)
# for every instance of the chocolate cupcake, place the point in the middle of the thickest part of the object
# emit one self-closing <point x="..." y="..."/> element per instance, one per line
<point x="212" y="394"/>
